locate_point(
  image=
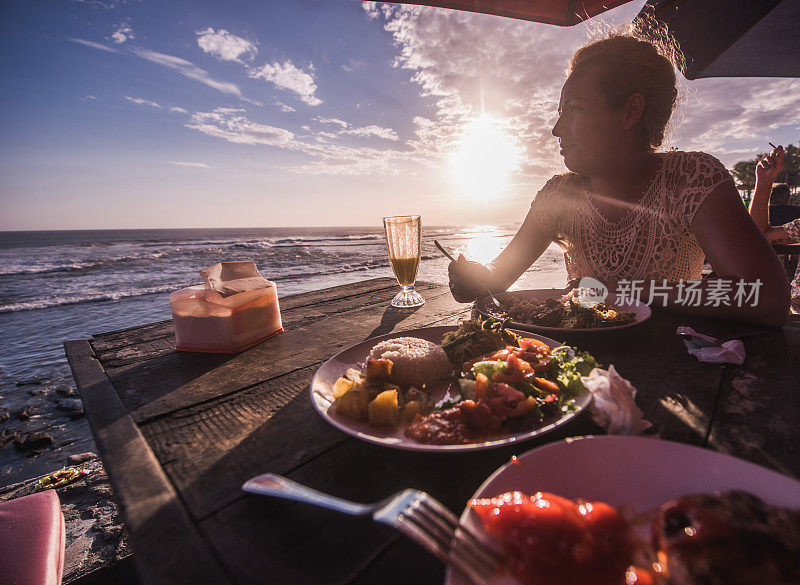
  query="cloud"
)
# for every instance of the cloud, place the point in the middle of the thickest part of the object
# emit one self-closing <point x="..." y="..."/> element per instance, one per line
<point x="93" y="45"/>
<point x="195" y="165"/>
<point x="336" y="121"/>
<point x="142" y="102"/>
<point x="123" y="33"/>
<point x="187" y="69"/>
<point x="736" y="118"/>
<point x="469" y="64"/>
<point x="284" y="107"/>
<point x="178" y="110"/>
<point x="348" y="130"/>
<point x="325" y="157"/>
<point x="353" y="65"/>
<point x="385" y="133"/>
<point x="231" y="125"/>
<point x="107" y="4"/>
<point x="226" y="46"/>
<point x="286" y="76"/>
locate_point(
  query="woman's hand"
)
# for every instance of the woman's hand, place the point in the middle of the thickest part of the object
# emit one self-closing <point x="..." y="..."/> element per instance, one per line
<point x="468" y="280"/>
<point x="769" y="167"/>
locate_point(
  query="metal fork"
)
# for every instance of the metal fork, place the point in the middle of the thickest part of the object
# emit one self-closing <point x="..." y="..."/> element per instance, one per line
<point x="412" y="512"/>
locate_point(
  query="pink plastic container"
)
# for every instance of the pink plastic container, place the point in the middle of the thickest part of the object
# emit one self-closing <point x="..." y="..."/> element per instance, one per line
<point x="206" y="321"/>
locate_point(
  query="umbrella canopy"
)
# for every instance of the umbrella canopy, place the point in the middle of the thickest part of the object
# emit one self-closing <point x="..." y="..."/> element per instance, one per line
<point x="560" y="12"/>
<point x="741" y="38"/>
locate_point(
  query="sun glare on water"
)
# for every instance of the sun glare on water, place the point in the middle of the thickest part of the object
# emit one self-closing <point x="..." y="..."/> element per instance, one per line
<point x="485" y="160"/>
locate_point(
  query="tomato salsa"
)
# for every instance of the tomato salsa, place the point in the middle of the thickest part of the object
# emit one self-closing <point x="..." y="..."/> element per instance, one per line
<point x="550" y="539"/>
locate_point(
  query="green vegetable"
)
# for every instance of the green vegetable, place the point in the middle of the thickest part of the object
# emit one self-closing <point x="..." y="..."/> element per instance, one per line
<point x="489" y="368"/>
<point x="568" y="366"/>
<point x="467" y="388"/>
<point x="477" y="337"/>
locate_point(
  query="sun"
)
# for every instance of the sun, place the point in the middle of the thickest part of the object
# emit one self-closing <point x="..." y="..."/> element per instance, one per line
<point x="485" y="159"/>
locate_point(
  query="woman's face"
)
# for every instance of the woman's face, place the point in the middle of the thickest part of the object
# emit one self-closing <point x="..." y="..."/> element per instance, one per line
<point x="590" y="132"/>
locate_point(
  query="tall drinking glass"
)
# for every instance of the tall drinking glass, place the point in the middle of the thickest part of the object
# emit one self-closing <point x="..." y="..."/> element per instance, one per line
<point x="404" y="242"/>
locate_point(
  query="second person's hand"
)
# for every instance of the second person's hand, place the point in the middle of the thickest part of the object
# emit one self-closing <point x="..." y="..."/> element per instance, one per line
<point x="769" y="167"/>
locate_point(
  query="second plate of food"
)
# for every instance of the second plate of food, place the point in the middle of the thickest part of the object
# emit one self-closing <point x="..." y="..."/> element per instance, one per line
<point x="324" y="381"/>
<point x="637" y="475"/>
<point x="542" y="311"/>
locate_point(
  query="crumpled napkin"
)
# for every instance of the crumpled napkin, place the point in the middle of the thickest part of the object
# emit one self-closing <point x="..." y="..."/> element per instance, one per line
<point x="704" y="348"/>
<point x="613" y="406"/>
<point x="230" y="278"/>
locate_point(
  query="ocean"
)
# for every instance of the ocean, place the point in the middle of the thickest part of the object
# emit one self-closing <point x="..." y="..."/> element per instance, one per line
<point x="60" y="285"/>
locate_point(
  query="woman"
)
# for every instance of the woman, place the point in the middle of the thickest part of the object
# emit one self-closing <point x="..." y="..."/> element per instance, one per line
<point x="767" y="170"/>
<point x="626" y="212"/>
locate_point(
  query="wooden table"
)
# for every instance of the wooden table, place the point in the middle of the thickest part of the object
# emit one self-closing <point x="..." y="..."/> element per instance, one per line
<point x="180" y="432"/>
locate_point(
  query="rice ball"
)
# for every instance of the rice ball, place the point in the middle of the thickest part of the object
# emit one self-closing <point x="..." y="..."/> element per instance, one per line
<point x="417" y="362"/>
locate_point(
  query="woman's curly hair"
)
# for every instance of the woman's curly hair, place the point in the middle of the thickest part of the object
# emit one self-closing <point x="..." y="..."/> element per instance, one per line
<point x="640" y="58"/>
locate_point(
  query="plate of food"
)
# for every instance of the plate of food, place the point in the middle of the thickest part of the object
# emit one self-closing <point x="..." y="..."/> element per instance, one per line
<point x="552" y="312"/>
<point x="610" y="510"/>
<point x="475" y="386"/>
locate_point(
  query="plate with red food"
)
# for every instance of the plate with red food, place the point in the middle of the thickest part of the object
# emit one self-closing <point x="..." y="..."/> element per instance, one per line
<point x="475" y="386"/>
<point x="616" y="510"/>
<point x="549" y="312"/>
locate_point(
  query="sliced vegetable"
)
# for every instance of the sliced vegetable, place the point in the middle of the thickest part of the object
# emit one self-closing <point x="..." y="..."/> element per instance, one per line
<point x="342" y="386"/>
<point x="384" y="410"/>
<point x="489" y="368"/>
<point x="467" y="388"/>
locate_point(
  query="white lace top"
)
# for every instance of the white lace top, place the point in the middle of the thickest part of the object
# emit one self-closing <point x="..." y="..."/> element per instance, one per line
<point x="653" y="240"/>
<point x="793" y="229"/>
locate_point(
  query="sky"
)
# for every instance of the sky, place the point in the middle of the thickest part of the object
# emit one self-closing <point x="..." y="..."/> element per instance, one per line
<point x="152" y="114"/>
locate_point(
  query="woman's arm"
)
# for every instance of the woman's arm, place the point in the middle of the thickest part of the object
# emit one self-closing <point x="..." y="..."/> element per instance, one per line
<point x="738" y="251"/>
<point x="767" y="171"/>
<point x="779" y="235"/>
<point x="469" y="280"/>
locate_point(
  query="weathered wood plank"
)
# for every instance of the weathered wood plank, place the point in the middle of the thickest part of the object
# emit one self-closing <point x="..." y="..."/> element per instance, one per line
<point x="210" y="450"/>
<point x="675" y="391"/>
<point x="179" y="380"/>
<point x="354" y="470"/>
<point x="229" y="434"/>
<point x="759" y="405"/>
<point x="394" y="566"/>
<point x="168" y="547"/>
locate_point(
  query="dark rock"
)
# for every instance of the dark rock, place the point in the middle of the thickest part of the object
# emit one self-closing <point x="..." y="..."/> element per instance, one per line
<point x="76" y="414"/>
<point x="24" y="414"/>
<point x="67" y="392"/>
<point x="33" y="441"/>
<point x="70" y="404"/>
<point x="34" y="392"/>
<point x="7" y="436"/>
<point x="78" y="458"/>
<point x="35" y="381"/>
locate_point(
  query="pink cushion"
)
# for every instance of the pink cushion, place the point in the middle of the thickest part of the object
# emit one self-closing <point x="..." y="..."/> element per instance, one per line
<point x="32" y="540"/>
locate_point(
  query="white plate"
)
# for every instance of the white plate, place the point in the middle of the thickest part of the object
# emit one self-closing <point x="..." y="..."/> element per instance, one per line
<point x="330" y="371"/>
<point x="640" y="311"/>
<point x="638" y="473"/>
